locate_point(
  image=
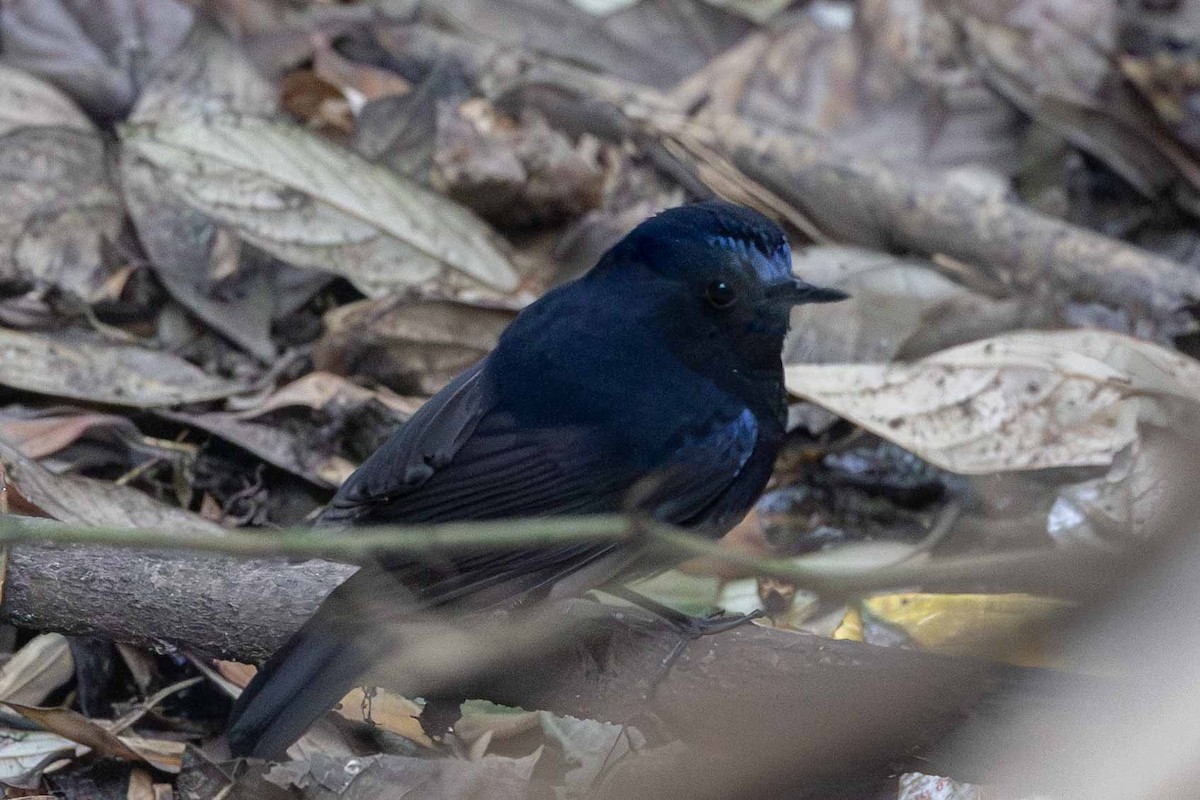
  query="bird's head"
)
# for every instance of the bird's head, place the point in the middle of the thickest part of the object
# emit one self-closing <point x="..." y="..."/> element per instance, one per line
<point x="722" y="278"/>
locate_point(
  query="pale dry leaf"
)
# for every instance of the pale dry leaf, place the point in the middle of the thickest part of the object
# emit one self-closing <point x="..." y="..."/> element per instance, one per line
<point x="76" y="500"/>
<point x="318" y="206"/>
<point x="99" y="372"/>
<point x="897" y="306"/>
<point x="1029" y="400"/>
<point x="29" y="102"/>
<point x="37" y="669"/>
<point x="25" y="754"/>
<point x="141" y="786"/>
<point x="58" y="207"/>
<point x="410" y="346"/>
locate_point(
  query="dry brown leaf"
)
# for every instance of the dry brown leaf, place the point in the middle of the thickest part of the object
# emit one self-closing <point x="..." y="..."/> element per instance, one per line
<point x="98" y="372"/>
<point x="315" y="101"/>
<point x="161" y="754"/>
<point x="236" y="673"/>
<point x="1055" y="59"/>
<point x="83" y="501"/>
<point x="315" y="205"/>
<point x="58" y="207"/>
<point x="516" y="173"/>
<point x="78" y="728"/>
<point x="37" y="669"/>
<point x="388" y="710"/>
<point x="27" y="101"/>
<point x="651" y="42"/>
<point x="410" y="346"/>
<point x="358" y="83"/>
<point x="278" y="446"/>
<point x="318" y="390"/>
<point x="1029" y="400"/>
<point x="886" y="79"/>
<point x="41" y="436"/>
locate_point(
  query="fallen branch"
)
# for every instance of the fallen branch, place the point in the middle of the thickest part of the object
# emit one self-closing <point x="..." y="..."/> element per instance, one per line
<point x="744" y="689"/>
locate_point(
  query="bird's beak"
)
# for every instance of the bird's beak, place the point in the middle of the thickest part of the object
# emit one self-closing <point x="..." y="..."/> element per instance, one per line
<point x="796" y="291"/>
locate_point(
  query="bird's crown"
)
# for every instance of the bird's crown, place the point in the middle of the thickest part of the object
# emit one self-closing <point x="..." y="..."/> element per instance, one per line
<point x="714" y="224"/>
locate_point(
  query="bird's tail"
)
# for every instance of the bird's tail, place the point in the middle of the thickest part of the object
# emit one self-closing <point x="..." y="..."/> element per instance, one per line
<point x="302" y="681"/>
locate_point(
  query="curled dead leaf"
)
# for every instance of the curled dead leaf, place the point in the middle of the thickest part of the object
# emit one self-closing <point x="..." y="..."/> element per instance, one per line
<point x="1029" y="400"/>
<point x="77" y="500"/>
<point x="42" y="665"/>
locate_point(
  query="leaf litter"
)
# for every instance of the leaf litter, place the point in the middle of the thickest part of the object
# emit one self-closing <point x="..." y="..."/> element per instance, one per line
<point x="240" y="308"/>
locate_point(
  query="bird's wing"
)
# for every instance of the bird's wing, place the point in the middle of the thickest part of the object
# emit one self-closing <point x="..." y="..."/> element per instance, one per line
<point x="411" y="456"/>
<point x="460" y="459"/>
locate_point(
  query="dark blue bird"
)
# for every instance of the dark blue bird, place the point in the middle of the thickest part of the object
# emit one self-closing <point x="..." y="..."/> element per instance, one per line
<point x="659" y="369"/>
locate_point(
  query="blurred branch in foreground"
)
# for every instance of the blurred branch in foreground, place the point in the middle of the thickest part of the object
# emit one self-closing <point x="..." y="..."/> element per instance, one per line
<point x="735" y="696"/>
<point x="1064" y="571"/>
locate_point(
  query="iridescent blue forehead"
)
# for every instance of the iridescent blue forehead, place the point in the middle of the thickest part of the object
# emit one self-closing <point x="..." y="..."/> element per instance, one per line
<point x="773" y="259"/>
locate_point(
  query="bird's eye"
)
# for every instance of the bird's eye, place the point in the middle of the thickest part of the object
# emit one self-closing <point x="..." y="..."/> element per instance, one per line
<point x="720" y="294"/>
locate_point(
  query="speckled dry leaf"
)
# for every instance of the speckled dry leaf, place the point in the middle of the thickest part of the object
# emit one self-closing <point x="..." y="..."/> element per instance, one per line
<point x="76" y="500"/>
<point x="208" y="74"/>
<point x="388" y="777"/>
<point x="1028" y="400"/>
<point x="57" y="208"/>
<point x="410" y="346"/>
<point x="42" y="665"/>
<point x="318" y="206"/>
<point x="119" y="374"/>
<point x="29" y="102"/>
